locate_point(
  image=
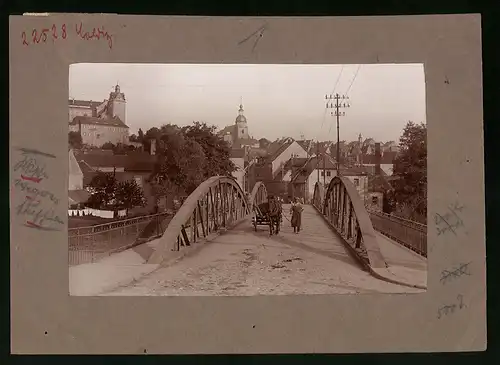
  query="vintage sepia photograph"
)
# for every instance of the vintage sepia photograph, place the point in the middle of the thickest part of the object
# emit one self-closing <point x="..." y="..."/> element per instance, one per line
<point x="246" y="179"/>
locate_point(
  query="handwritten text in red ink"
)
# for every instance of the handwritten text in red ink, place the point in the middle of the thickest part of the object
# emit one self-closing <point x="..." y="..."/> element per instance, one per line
<point x="60" y="32"/>
<point x="43" y="35"/>
<point x="95" y="34"/>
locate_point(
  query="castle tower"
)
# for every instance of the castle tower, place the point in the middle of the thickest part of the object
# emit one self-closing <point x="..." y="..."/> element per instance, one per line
<point x="241" y="125"/>
<point x="118" y="104"/>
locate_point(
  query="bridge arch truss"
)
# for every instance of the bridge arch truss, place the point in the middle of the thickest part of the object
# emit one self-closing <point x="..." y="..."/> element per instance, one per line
<point x="216" y="204"/>
<point x="343" y="209"/>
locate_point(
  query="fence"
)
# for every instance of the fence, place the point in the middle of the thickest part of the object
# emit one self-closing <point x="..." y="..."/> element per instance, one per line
<point x="90" y="244"/>
<point x="408" y="233"/>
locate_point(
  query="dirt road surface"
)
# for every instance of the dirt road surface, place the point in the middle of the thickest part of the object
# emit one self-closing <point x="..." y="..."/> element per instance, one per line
<point x="242" y="262"/>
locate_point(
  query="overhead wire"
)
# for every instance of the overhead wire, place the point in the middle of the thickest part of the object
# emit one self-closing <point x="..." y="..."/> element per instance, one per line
<point x="349" y="88"/>
<point x="353" y="79"/>
<point x="324" y="114"/>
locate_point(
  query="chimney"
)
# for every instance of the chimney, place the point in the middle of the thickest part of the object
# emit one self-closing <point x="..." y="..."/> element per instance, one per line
<point x="152" y="150"/>
<point x="80" y="127"/>
<point x="378" y="158"/>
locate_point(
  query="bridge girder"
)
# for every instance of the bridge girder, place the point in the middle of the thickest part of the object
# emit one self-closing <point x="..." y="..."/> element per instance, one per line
<point x="342" y="207"/>
<point x="218" y="202"/>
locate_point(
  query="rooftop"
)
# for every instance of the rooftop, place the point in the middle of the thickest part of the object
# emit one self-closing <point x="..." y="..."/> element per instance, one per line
<point x="84" y="103"/>
<point x="138" y="161"/>
<point x="106" y="121"/>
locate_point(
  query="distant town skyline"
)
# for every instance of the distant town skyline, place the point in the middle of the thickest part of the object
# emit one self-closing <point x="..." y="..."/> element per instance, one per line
<point x="278" y="100"/>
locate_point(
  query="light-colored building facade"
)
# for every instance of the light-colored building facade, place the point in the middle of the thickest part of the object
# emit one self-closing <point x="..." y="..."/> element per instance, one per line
<point x="238" y="158"/>
<point x="100" y="122"/>
<point x="288" y="149"/>
<point x="359" y="179"/>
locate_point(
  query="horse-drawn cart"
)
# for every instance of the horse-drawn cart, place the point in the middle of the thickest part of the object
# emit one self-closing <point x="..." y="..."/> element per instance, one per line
<point x="259" y="218"/>
<point x="262" y="217"/>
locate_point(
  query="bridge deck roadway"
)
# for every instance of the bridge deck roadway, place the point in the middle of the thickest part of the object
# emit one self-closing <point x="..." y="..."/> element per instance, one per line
<point x="244" y="262"/>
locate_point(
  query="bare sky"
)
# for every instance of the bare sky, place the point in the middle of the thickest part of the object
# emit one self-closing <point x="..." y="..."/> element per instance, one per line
<point x="279" y="100"/>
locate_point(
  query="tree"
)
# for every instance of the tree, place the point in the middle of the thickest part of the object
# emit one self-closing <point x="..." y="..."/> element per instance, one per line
<point x="120" y="149"/>
<point x="128" y="195"/>
<point x="187" y="157"/>
<point x="410" y="171"/>
<point x="133" y="138"/>
<point x="216" y="150"/>
<point x="102" y="190"/>
<point x="108" y="146"/>
<point x="264" y="143"/>
<point x="181" y="165"/>
<point x="140" y="135"/>
<point x="75" y="140"/>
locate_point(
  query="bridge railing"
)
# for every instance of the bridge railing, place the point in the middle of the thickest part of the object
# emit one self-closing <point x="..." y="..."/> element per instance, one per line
<point x="91" y="243"/>
<point x="258" y="195"/>
<point x="410" y="234"/>
<point x="344" y="210"/>
<point x="218" y="202"/>
<point x="318" y="196"/>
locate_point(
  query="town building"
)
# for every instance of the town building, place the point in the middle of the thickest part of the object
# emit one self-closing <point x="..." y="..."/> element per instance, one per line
<point x="137" y="166"/>
<point x="237" y="156"/>
<point x="272" y="169"/>
<point x="324" y="169"/>
<point x="100" y="122"/>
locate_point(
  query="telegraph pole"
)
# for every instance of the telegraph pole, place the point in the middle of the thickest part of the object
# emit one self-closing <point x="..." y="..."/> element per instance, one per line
<point x="341" y="101"/>
<point x="317" y="158"/>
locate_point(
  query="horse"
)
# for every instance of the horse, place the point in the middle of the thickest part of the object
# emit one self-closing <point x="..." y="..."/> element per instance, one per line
<point x="272" y="210"/>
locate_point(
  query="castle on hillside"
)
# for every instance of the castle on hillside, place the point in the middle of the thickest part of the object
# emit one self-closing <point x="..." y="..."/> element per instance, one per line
<point x="100" y="122"/>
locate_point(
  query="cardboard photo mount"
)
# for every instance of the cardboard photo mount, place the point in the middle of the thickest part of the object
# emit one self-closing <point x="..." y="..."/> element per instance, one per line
<point x="449" y="316"/>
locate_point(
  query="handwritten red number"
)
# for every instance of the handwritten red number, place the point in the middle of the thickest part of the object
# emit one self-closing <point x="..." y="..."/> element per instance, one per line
<point x="54" y="31"/>
<point x="23" y="36"/>
<point x="64" y="31"/>
<point x="34" y="34"/>
<point x="44" y="35"/>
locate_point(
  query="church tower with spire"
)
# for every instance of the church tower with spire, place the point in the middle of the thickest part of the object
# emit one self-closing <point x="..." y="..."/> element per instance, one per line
<point x="241" y="125"/>
<point x="359" y="152"/>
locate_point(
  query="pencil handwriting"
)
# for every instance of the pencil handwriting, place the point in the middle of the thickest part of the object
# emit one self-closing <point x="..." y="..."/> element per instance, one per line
<point x="448" y="309"/>
<point x="258" y="34"/>
<point x="34" y="191"/>
<point x="448" y="275"/>
<point x="37" y="216"/>
<point x="31" y="168"/>
<point x="33" y="172"/>
<point x="449" y="221"/>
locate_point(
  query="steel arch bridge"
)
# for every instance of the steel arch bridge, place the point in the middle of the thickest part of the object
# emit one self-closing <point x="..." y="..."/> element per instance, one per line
<point x="219" y="203"/>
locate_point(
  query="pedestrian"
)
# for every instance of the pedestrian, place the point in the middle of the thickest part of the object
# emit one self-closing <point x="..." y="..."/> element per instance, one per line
<point x="296" y="212"/>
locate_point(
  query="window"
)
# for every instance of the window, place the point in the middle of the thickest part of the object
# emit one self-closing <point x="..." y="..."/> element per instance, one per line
<point x="374" y="199"/>
<point x="322" y="173"/>
<point x="242" y="131"/>
<point x="356" y="182"/>
<point x="328" y="173"/>
<point x="84" y="133"/>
